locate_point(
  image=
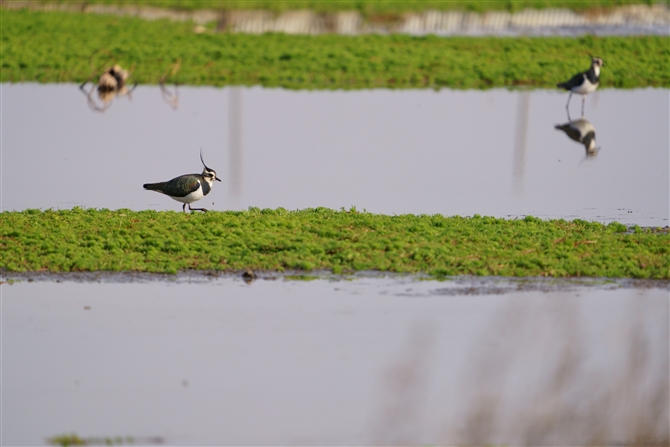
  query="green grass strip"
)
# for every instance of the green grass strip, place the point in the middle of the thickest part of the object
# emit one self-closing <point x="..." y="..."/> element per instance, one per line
<point x="56" y="47"/>
<point x="368" y="7"/>
<point x="324" y="239"/>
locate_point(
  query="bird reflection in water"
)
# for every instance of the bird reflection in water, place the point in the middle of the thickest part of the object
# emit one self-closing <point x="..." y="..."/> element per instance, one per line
<point x="581" y="131"/>
<point x="112" y="82"/>
<point x="171" y="98"/>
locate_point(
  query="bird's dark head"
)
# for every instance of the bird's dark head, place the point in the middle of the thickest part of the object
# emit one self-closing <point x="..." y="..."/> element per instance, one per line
<point x="589" y="142"/>
<point x="208" y="174"/>
<point x="597" y="62"/>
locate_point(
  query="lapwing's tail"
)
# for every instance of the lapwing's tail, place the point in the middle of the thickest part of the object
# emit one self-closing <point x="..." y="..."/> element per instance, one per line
<point x="562" y="127"/>
<point x="154" y="186"/>
<point x="563" y="85"/>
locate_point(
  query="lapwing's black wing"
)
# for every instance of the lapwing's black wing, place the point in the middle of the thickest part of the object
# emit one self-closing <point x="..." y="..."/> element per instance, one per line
<point x="574" y="81"/>
<point x="570" y="131"/>
<point x="182" y="185"/>
<point x="177" y="187"/>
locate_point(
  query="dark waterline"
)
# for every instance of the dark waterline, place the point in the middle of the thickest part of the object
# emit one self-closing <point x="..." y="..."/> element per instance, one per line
<point x="413" y="151"/>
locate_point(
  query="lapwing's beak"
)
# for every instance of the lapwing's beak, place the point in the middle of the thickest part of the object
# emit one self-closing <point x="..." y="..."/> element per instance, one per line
<point x="216" y="178"/>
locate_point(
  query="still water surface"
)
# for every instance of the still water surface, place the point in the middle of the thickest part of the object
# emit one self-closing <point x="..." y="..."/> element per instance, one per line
<point x="451" y="152"/>
<point x="375" y="360"/>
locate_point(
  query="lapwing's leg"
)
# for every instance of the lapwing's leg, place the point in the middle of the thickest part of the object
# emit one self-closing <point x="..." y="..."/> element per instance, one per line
<point x="91" y="102"/>
<point x="196" y="209"/>
<point x="583" y="100"/>
<point x="184" y="207"/>
<point x="567" y="106"/>
<point x="89" y="79"/>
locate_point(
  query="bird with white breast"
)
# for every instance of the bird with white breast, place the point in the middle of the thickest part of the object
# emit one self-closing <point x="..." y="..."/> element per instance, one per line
<point x="585" y="82"/>
<point x="187" y="188"/>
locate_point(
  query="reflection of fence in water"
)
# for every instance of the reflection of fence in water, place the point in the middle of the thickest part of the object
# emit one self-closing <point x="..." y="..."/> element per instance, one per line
<point x="544" y="380"/>
<point x="520" y="140"/>
<point x="637" y="18"/>
<point x="445" y="22"/>
<point x="235" y="141"/>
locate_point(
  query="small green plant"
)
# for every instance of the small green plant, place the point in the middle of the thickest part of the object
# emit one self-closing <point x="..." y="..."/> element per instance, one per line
<point x="67" y="440"/>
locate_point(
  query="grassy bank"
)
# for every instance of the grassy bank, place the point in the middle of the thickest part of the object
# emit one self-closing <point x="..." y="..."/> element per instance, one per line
<point x="56" y="47"/>
<point x="151" y="241"/>
<point x="367" y="7"/>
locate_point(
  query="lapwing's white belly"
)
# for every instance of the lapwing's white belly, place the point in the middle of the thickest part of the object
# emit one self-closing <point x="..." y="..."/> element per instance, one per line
<point x="192" y="197"/>
<point x="583" y="127"/>
<point x="585" y="88"/>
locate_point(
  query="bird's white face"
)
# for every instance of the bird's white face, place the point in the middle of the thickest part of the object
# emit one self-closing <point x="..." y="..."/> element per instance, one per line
<point x="590" y="145"/>
<point x="209" y="176"/>
<point x="596" y="63"/>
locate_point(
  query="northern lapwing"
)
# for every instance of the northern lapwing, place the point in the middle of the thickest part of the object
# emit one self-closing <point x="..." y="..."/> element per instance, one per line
<point x="585" y="82"/>
<point x="187" y="188"/>
<point x="112" y="82"/>
<point x="113" y="79"/>
<point x="581" y="131"/>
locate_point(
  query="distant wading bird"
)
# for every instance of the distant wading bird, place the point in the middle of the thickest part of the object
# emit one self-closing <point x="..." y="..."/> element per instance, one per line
<point x="585" y="82"/>
<point x="112" y="82"/>
<point x="113" y="79"/>
<point x="187" y="188"/>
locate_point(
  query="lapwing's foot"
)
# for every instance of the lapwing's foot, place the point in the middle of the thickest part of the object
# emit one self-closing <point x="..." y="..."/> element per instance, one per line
<point x="204" y="210"/>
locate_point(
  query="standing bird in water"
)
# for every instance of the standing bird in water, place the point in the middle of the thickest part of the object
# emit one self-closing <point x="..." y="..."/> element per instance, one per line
<point x="187" y="188"/>
<point x="584" y="83"/>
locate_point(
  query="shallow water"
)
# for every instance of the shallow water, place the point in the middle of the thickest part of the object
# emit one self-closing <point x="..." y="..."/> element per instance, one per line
<point x="373" y="360"/>
<point x="412" y="151"/>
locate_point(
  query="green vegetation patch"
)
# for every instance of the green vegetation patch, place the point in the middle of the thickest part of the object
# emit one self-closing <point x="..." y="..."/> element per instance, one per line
<point x="56" y="47"/>
<point x="367" y="7"/>
<point x="324" y="239"/>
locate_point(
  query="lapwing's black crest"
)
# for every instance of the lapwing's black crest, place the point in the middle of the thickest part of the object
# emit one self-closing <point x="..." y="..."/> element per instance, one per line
<point x="187" y="188"/>
<point x="585" y="82"/>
